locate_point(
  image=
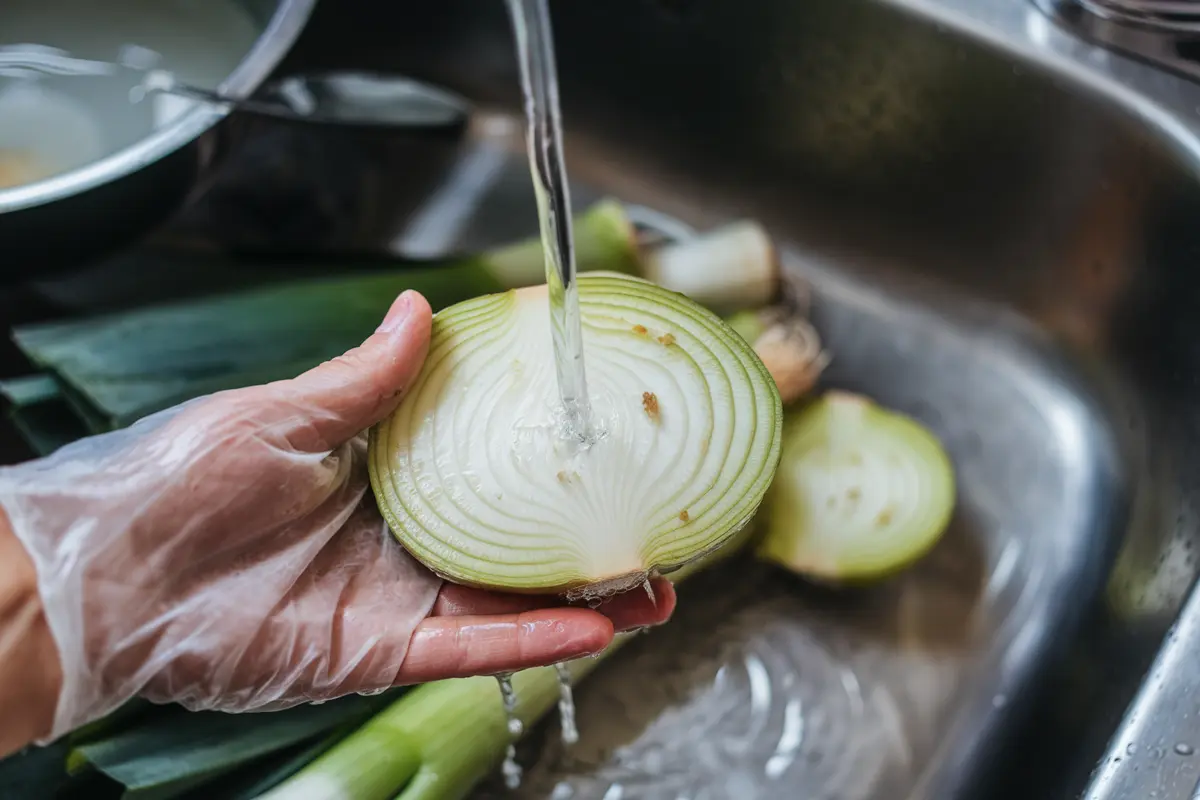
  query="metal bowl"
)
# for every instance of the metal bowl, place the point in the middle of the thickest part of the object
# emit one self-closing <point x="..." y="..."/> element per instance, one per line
<point x="89" y="212"/>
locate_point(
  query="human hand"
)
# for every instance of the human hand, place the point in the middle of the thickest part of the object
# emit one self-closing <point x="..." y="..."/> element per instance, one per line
<point x="227" y="554"/>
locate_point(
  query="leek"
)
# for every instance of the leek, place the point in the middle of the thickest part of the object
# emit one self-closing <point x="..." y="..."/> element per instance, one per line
<point x="861" y="491"/>
<point x="179" y="748"/>
<point x="118" y="368"/>
<point x="40" y="413"/>
<point x="475" y="479"/>
<point x="112" y="370"/>
<point x="728" y="269"/>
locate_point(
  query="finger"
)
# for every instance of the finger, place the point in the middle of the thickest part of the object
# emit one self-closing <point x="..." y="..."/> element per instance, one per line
<point x="629" y="609"/>
<point x="352" y="392"/>
<point x="464" y="601"/>
<point x="458" y="647"/>
<point x="632" y="609"/>
<point x="635" y="608"/>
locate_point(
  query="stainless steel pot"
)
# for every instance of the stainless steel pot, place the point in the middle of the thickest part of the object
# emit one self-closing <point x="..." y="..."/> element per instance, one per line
<point x="89" y="212"/>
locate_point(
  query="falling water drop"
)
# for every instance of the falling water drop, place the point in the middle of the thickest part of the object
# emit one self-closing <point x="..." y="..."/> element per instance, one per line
<point x="508" y="695"/>
<point x="566" y="705"/>
<point x="511" y="769"/>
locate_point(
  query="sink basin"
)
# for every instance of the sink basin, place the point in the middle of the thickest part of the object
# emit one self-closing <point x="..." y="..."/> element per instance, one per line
<point x="997" y="221"/>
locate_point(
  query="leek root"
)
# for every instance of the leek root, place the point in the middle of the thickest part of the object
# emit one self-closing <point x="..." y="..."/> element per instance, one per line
<point x="787" y="344"/>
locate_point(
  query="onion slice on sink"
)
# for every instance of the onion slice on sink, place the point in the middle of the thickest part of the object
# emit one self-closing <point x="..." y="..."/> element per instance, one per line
<point x="861" y="491"/>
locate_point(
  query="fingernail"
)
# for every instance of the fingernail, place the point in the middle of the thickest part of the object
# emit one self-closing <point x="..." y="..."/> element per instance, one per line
<point x="396" y="314"/>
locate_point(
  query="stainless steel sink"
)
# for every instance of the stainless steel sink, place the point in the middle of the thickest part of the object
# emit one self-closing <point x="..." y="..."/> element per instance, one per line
<point x="1001" y="225"/>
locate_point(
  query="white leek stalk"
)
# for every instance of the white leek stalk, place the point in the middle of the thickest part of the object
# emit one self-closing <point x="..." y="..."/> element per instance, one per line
<point x="861" y="491"/>
<point x="475" y="478"/>
<point x="726" y="269"/>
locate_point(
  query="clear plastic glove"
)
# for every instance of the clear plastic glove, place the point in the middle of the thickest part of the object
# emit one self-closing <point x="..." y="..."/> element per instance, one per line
<point x="227" y="554"/>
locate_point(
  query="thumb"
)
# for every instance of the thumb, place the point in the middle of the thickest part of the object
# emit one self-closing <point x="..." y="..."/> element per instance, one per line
<point x="350" y="393"/>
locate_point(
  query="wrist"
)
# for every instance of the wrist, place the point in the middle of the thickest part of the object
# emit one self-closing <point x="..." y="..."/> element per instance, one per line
<point x="30" y="669"/>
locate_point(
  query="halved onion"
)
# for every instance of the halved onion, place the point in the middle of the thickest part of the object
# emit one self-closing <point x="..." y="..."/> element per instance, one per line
<point x="476" y="480"/>
<point x="860" y="491"/>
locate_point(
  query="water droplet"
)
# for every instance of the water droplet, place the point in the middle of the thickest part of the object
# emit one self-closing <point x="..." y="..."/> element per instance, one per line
<point x="1184" y="749"/>
<point x="566" y="705"/>
<point x="1131" y="749"/>
<point x="508" y="696"/>
<point x="511" y="769"/>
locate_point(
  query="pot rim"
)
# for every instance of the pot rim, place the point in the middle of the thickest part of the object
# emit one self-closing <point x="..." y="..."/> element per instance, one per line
<point x="281" y="32"/>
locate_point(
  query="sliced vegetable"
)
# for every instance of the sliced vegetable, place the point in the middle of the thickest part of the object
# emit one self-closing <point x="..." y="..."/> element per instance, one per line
<point x="475" y="479"/>
<point x="860" y="491"/>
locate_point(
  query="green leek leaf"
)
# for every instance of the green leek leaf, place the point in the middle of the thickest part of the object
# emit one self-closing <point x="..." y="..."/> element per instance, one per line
<point x="177" y="750"/>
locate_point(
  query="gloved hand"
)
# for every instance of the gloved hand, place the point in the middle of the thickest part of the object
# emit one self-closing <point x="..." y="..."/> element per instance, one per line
<point x="227" y="554"/>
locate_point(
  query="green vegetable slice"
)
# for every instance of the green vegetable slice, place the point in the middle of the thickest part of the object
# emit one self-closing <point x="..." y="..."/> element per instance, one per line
<point x="860" y="491"/>
<point x="476" y="481"/>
